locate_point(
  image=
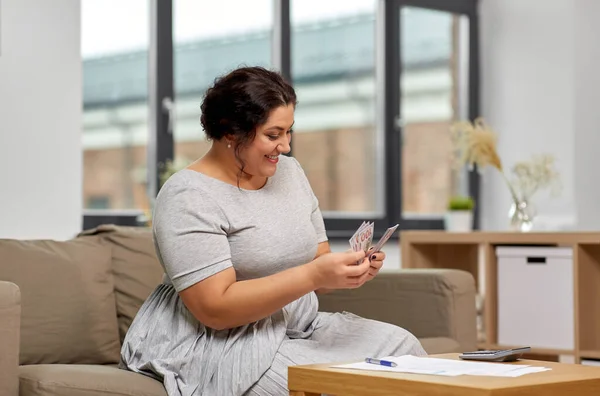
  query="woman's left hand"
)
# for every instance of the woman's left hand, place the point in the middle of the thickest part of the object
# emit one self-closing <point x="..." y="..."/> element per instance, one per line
<point x="376" y="263"/>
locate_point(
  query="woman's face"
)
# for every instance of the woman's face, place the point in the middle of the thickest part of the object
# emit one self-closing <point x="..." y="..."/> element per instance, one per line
<point x="272" y="139"/>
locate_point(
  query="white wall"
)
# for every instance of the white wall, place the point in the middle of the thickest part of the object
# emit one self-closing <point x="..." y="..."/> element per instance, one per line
<point x="40" y="119"/>
<point x="528" y="97"/>
<point x="540" y="91"/>
<point x="587" y="113"/>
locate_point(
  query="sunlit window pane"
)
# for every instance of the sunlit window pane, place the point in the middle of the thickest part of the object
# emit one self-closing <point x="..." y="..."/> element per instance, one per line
<point x="114" y="47"/>
<point x="333" y="70"/>
<point x="211" y="40"/>
<point x="434" y="90"/>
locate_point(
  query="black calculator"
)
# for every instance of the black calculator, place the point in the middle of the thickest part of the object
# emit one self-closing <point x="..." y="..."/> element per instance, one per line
<point x="497" y="355"/>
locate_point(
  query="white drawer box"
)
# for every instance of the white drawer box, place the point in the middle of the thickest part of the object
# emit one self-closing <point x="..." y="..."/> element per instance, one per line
<point x="535" y="297"/>
<point x="590" y="362"/>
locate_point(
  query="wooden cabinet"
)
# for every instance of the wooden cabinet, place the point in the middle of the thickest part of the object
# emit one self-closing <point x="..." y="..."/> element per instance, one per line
<point x="475" y="252"/>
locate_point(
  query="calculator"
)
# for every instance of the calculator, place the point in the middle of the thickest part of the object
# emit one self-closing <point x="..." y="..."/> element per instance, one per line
<point x="497" y="355"/>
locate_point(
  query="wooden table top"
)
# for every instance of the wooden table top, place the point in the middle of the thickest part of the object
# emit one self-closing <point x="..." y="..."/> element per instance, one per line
<point x="563" y="379"/>
<point x="501" y="237"/>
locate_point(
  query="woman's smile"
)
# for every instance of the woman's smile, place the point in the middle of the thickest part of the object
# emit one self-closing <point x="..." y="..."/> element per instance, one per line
<point x="272" y="158"/>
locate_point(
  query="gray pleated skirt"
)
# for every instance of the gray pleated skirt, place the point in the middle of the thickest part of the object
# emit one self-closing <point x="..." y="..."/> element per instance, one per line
<point x="167" y="343"/>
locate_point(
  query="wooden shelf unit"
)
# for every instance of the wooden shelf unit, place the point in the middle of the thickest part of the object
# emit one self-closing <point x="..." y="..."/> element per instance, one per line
<point x="441" y="249"/>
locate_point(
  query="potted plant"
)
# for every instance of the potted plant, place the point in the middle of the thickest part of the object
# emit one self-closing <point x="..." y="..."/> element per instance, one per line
<point x="459" y="216"/>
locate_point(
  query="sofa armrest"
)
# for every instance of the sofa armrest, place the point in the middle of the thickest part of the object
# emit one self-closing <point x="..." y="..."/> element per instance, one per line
<point x="427" y="302"/>
<point x="10" y="329"/>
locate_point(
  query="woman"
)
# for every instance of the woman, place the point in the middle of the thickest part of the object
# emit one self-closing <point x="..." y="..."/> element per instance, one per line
<point x="243" y="245"/>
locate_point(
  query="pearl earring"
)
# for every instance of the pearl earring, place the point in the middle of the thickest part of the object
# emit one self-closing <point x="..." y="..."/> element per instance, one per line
<point x="228" y="145"/>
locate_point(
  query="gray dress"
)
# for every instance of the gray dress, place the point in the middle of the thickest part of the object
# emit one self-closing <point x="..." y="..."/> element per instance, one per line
<point x="203" y="226"/>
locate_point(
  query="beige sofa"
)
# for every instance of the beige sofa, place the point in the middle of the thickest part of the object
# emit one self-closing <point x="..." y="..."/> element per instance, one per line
<point x="66" y="306"/>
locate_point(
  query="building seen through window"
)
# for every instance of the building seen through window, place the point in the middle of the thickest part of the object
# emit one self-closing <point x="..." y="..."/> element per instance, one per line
<point x="336" y="136"/>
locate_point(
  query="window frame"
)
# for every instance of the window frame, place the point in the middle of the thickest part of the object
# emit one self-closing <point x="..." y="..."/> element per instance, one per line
<point x="388" y="25"/>
<point x="468" y="8"/>
<point x="161" y="88"/>
<point x="160" y="147"/>
<point x="161" y="91"/>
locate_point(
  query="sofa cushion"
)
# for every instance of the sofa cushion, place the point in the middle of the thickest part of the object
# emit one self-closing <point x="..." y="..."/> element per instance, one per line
<point x="68" y="310"/>
<point x="89" y="380"/>
<point x="437" y="345"/>
<point x="136" y="268"/>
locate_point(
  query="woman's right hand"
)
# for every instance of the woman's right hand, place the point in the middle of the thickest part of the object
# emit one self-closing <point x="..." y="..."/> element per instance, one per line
<point x="340" y="271"/>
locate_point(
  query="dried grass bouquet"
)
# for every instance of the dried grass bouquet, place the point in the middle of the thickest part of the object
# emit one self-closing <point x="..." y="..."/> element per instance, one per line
<point x="476" y="144"/>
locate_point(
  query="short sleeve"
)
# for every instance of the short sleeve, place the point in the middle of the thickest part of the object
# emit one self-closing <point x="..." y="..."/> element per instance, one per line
<point x="319" y="224"/>
<point x="316" y="216"/>
<point x="190" y="231"/>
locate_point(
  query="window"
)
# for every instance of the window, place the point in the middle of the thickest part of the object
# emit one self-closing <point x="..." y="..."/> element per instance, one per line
<point x="431" y="79"/>
<point x="434" y="93"/>
<point x="336" y="137"/>
<point x="207" y="45"/>
<point x="378" y="83"/>
<point x="115" y="105"/>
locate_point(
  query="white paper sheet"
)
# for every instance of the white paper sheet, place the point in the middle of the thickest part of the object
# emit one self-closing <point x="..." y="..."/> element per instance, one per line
<point x="447" y="367"/>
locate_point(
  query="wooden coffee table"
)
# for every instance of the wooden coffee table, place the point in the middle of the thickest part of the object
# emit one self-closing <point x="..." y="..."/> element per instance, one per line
<point x="563" y="379"/>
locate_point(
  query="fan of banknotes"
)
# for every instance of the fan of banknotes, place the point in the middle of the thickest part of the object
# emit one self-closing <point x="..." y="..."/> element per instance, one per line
<point x="363" y="237"/>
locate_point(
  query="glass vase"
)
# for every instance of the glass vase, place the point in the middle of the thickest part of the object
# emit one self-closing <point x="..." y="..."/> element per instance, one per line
<point x="521" y="215"/>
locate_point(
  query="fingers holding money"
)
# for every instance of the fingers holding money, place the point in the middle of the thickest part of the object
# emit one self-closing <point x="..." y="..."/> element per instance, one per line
<point x="376" y="262"/>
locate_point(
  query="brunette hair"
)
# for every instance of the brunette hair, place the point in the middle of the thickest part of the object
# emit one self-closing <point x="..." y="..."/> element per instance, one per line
<point x="240" y="101"/>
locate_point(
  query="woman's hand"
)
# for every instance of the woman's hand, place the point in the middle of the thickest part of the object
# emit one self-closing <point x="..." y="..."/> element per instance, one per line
<point x="376" y="260"/>
<point x="340" y="271"/>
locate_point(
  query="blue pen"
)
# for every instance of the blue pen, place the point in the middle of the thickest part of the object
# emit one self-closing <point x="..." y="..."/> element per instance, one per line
<point x="381" y="362"/>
